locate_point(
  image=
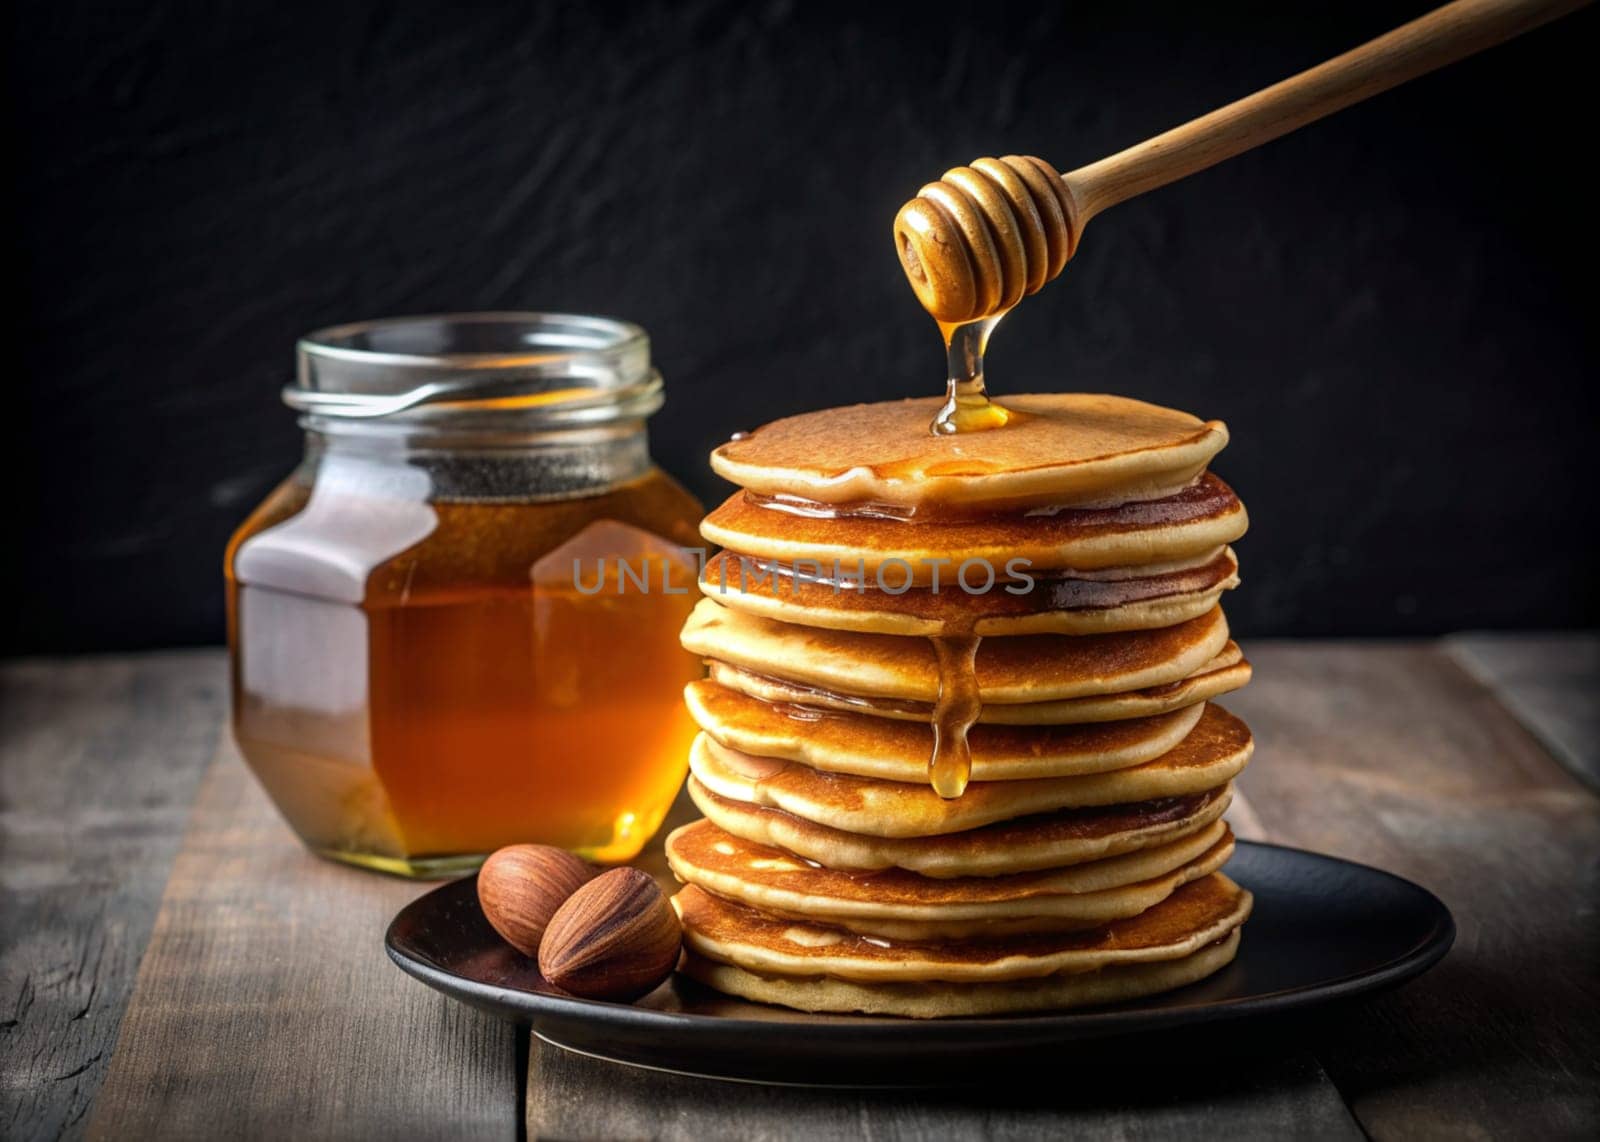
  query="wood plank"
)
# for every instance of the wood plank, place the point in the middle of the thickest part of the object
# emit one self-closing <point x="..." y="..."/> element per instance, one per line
<point x="1391" y="755"/>
<point x="1550" y="682"/>
<point x="99" y="762"/>
<point x="266" y="1007"/>
<point x="1388" y="754"/>
<point x="1233" y="1084"/>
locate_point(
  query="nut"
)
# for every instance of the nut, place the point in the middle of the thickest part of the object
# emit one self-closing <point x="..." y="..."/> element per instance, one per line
<point x="617" y="937"/>
<point x="521" y="886"/>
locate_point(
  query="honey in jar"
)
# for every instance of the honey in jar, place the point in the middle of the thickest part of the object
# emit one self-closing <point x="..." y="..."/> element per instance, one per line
<point x="454" y="627"/>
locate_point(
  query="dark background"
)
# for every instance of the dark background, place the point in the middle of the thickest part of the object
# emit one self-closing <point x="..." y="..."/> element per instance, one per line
<point x="1387" y="308"/>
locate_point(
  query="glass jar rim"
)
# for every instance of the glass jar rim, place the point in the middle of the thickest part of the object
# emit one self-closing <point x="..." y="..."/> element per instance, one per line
<point x="538" y="370"/>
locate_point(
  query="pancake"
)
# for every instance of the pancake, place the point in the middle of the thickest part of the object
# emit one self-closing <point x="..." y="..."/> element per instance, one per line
<point x="898" y="905"/>
<point x="1122" y="598"/>
<point x="1195" y="915"/>
<point x="1027" y="668"/>
<point x="1212" y="754"/>
<point x="1060" y="448"/>
<point x="1198" y="519"/>
<point x="838" y="742"/>
<point x="1049" y="841"/>
<point x="1226" y="672"/>
<point x="1113" y="984"/>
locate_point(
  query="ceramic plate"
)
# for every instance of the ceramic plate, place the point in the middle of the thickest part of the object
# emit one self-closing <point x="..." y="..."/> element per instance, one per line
<point x="1322" y="929"/>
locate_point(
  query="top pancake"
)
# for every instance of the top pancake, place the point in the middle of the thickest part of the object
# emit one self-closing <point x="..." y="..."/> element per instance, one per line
<point x="1061" y="448"/>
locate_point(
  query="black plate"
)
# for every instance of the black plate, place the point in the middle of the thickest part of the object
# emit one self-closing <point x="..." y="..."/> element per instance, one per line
<point x="1322" y="929"/>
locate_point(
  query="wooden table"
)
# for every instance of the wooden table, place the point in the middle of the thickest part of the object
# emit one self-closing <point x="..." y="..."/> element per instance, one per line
<point x="175" y="965"/>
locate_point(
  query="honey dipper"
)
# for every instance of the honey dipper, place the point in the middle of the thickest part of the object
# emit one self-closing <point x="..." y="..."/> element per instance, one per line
<point x="978" y="240"/>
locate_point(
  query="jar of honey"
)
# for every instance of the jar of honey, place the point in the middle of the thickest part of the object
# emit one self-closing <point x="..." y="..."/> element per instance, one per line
<point x="455" y="626"/>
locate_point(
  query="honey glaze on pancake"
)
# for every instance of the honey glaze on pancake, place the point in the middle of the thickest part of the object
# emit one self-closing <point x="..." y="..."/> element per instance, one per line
<point x="1063" y="448"/>
<point x="1205" y="492"/>
<point x="1021" y="669"/>
<point x="843" y="741"/>
<point x="1227" y="671"/>
<point x="956" y="707"/>
<point x="1213" y="753"/>
<point x="1043" y="841"/>
<point x="1192" y="521"/>
<point x="733" y="578"/>
<point x="892" y="437"/>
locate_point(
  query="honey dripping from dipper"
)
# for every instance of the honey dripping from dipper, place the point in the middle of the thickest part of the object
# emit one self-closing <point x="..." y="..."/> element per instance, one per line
<point x="1011" y="217"/>
<point x="967" y="408"/>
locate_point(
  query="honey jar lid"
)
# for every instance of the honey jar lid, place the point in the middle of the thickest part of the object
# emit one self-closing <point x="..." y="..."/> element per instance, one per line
<point x="554" y="368"/>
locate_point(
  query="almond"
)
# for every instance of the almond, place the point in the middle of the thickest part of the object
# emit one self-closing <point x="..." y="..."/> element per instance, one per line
<point x="615" y="938"/>
<point x="521" y="886"/>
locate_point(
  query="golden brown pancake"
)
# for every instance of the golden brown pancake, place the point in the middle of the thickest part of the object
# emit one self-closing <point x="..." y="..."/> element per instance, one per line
<point x="1226" y="672"/>
<point x="1194" y="521"/>
<point x="1060" y="448"/>
<point x="899" y="905"/>
<point x="1057" y="603"/>
<point x="1112" y="984"/>
<point x="1048" y="841"/>
<point x="1212" y="754"/>
<point x="839" y="742"/>
<point x="1026" y="668"/>
<point x="1197" y="914"/>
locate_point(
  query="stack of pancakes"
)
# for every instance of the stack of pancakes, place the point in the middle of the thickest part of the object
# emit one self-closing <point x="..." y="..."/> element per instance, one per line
<point x="958" y="751"/>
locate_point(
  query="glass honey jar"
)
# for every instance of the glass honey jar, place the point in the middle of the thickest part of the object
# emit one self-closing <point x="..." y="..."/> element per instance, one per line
<point x="455" y="625"/>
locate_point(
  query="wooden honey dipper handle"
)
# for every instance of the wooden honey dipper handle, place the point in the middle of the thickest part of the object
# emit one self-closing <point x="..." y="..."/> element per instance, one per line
<point x="1442" y="37"/>
<point x="987" y="234"/>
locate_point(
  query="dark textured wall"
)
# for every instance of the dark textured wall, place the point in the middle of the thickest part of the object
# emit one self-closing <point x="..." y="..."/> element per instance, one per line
<point x="1387" y="308"/>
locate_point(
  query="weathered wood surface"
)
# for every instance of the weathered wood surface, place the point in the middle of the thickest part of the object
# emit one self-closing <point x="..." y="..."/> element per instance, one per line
<point x="1392" y="755"/>
<point x="1255" y="1086"/>
<point x="1550" y="682"/>
<point x="266" y="1007"/>
<point x="99" y="760"/>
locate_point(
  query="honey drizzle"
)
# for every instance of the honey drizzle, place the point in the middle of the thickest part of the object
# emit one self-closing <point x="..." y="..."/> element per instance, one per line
<point x="967" y="407"/>
<point x="958" y="707"/>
